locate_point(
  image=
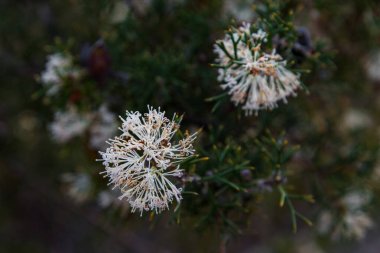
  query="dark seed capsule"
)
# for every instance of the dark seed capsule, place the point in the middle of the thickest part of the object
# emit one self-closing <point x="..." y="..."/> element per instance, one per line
<point x="96" y="59"/>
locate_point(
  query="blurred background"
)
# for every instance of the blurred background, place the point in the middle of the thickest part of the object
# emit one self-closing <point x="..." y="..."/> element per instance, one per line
<point x="160" y="52"/>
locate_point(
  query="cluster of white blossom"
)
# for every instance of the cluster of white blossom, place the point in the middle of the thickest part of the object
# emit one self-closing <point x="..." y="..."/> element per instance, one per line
<point x="241" y="10"/>
<point x="119" y="12"/>
<point x="58" y="67"/>
<point x="254" y="78"/>
<point x="355" y="119"/>
<point x="101" y="124"/>
<point x="353" y="222"/>
<point x="69" y="124"/>
<point x="78" y="186"/>
<point x="373" y="66"/>
<point x="142" y="159"/>
<point x="103" y="127"/>
<point x="376" y="170"/>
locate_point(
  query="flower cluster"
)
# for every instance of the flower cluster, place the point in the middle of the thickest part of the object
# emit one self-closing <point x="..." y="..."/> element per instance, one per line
<point x="256" y="79"/>
<point x="58" y="67"/>
<point x="100" y="124"/>
<point x="103" y="127"/>
<point x="238" y="9"/>
<point x="353" y="222"/>
<point x="68" y="124"/>
<point x="142" y="159"/>
<point x="372" y="66"/>
<point x="78" y="186"/>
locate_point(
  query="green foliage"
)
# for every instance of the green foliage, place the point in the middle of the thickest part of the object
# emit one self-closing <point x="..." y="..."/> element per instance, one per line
<point x="300" y="159"/>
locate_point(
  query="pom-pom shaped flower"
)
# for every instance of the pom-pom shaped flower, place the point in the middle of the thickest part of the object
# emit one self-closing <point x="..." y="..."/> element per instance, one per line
<point x="256" y="79"/>
<point x="143" y="159"/>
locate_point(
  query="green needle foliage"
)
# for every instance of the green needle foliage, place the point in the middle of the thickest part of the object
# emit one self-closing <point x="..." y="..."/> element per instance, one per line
<point x="293" y="164"/>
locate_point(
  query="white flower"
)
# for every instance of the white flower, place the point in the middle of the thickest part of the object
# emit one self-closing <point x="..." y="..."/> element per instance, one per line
<point x="58" y="66"/>
<point x="241" y="10"/>
<point x="353" y="225"/>
<point x="351" y="221"/>
<point x="103" y="127"/>
<point x="69" y="124"/>
<point x="355" y="221"/>
<point x="256" y="79"/>
<point x="355" y="200"/>
<point x="373" y="66"/>
<point x="376" y="171"/>
<point x="119" y="12"/>
<point x="79" y="186"/>
<point x="355" y="119"/>
<point x="142" y="159"/>
<point x="325" y="221"/>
